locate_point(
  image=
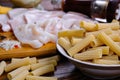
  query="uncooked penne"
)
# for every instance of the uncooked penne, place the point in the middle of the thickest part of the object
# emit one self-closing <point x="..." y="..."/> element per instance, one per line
<point x="82" y="44"/>
<point x="89" y="26"/>
<point x="75" y="40"/>
<point x="43" y="70"/>
<point x="89" y="55"/>
<point x="109" y="42"/>
<point x="96" y="43"/>
<point x="95" y="33"/>
<point x="116" y="32"/>
<point x="14" y="65"/>
<point x="115" y="37"/>
<point x="55" y="57"/>
<point x="40" y="64"/>
<point x="113" y="21"/>
<point x="40" y="78"/>
<point x="2" y="67"/>
<point x="105" y="49"/>
<point x="12" y="74"/>
<point x="114" y="26"/>
<point x="71" y="33"/>
<point x="64" y="43"/>
<point x="112" y="57"/>
<point x="21" y="76"/>
<point x="33" y="60"/>
<point x="107" y="62"/>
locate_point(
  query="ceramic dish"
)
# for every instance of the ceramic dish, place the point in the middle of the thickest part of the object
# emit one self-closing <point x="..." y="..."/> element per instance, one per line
<point x="97" y="71"/>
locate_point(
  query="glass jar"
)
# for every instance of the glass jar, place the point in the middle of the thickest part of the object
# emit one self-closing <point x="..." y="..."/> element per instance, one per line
<point x="100" y="10"/>
<point x="82" y="6"/>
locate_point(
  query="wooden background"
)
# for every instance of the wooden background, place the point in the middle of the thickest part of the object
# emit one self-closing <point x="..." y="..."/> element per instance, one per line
<point x="65" y="70"/>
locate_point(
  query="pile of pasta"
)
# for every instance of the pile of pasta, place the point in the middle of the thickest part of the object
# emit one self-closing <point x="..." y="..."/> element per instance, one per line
<point x="30" y="68"/>
<point x="99" y="43"/>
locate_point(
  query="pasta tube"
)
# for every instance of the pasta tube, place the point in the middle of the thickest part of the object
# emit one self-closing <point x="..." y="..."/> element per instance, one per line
<point x="89" y="26"/>
<point x="95" y="33"/>
<point x="82" y="44"/>
<point x="71" y="33"/>
<point x="2" y="67"/>
<point x="96" y="43"/>
<point x="114" y="20"/>
<point x="56" y="57"/>
<point x="40" y="64"/>
<point x="115" y="37"/>
<point x="105" y="49"/>
<point x="75" y="40"/>
<point x="33" y="60"/>
<point x="21" y="76"/>
<point x="43" y="70"/>
<point x="114" y="25"/>
<point x="14" y="65"/>
<point x="109" y="42"/>
<point x="89" y="55"/>
<point x="112" y="57"/>
<point x="14" y="73"/>
<point x="40" y="78"/>
<point x="64" y="43"/>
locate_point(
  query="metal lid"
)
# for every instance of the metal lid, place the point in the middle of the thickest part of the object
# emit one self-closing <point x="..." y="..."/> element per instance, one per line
<point x="99" y="10"/>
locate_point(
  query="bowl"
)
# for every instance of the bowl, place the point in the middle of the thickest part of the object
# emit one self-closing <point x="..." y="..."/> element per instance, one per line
<point x="96" y="71"/>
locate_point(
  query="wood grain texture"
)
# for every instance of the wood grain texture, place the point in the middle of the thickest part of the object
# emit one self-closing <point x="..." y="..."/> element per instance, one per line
<point x="47" y="49"/>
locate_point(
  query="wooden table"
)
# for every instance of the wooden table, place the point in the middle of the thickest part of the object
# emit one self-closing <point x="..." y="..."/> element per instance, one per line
<point x="65" y="70"/>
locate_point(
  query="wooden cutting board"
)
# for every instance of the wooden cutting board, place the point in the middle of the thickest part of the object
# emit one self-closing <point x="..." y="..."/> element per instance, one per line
<point x="24" y="51"/>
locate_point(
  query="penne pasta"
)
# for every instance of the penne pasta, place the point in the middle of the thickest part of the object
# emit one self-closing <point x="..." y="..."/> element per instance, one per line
<point x="43" y="70"/>
<point x="89" y="55"/>
<point x="56" y="57"/>
<point x="82" y="44"/>
<point x="112" y="57"/>
<point x="96" y="43"/>
<point x="2" y="67"/>
<point x="21" y="76"/>
<point x="40" y="64"/>
<point x="71" y="33"/>
<point x="14" y="73"/>
<point x="115" y="37"/>
<point x="33" y="60"/>
<point x="40" y="78"/>
<point x="107" y="62"/>
<point x="64" y="43"/>
<point x="100" y="44"/>
<point x="95" y="33"/>
<point x="88" y="26"/>
<point x="114" y="25"/>
<point x="111" y="53"/>
<point x="113" y="21"/>
<point x="109" y="42"/>
<point x="75" y="40"/>
<point x="14" y="65"/>
<point x="105" y="49"/>
<point x="15" y="59"/>
<point x="116" y="32"/>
